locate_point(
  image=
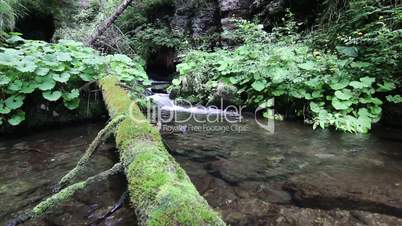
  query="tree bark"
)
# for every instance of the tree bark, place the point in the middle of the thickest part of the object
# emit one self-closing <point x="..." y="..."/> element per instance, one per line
<point x="109" y="21"/>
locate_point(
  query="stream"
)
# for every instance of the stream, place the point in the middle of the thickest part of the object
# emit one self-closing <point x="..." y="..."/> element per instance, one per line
<point x="30" y="166"/>
<point x="294" y="176"/>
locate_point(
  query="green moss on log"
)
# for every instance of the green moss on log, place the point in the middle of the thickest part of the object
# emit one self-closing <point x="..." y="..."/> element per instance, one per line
<point x="54" y="200"/>
<point x="160" y="190"/>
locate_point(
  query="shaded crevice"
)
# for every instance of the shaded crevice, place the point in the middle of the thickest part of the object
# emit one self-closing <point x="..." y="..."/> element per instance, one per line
<point x="36" y="26"/>
<point x="161" y="65"/>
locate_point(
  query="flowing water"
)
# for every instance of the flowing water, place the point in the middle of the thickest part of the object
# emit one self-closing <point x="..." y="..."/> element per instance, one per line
<point x="252" y="176"/>
<point x="30" y="166"/>
<point x="256" y="177"/>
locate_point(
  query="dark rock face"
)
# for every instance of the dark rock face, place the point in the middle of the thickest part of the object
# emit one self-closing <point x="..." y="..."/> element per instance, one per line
<point x="235" y="8"/>
<point x="196" y="19"/>
<point x="201" y="19"/>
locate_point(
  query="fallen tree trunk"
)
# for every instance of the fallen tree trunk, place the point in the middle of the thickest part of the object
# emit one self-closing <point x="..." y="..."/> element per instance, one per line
<point x="109" y="21"/>
<point x="159" y="189"/>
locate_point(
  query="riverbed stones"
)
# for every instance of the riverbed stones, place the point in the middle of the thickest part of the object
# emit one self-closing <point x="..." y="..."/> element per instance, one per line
<point x="371" y="192"/>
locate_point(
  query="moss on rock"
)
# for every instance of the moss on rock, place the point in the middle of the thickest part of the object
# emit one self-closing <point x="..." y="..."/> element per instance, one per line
<point x="160" y="190"/>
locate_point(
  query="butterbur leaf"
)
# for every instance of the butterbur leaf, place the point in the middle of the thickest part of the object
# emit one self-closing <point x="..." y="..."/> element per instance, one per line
<point x="8" y="59"/>
<point x="4" y="80"/>
<point x="258" y="85"/>
<point x="28" y="88"/>
<point x="46" y="84"/>
<point x="339" y="84"/>
<point x="73" y="94"/>
<point x="86" y="77"/>
<point x="367" y="81"/>
<point x="63" y="77"/>
<point x="14" y="102"/>
<point x="42" y="71"/>
<point x="315" y="107"/>
<point x="51" y="96"/>
<point x="344" y="94"/>
<point x="72" y="104"/>
<point x="356" y="85"/>
<point x="26" y="65"/>
<point x="340" y="104"/>
<point x="15" y="39"/>
<point x="15" y="85"/>
<point x="16" y="118"/>
<point x="63" y="57"/>
<point x="234" y="79"/>
<point x="3" y="108"/>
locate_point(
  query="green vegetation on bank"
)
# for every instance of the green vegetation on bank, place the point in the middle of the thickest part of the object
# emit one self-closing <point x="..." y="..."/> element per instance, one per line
<point x="56" y="71"/>
<point x="340" y="82"/>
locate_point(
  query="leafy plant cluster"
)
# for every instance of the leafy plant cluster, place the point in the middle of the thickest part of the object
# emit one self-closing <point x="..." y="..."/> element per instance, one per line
<point x="56" y="72"/>
<point x="326" y="89"/>
<point x="150" y="38"/>
<point x="372" y="28"/>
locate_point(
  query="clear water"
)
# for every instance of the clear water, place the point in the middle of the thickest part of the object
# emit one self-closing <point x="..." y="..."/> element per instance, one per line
<point x="30" y="166"/>
<point x="235" y="166"/>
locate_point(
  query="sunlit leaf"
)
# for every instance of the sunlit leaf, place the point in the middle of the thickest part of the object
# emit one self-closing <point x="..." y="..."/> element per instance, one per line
<point x="51" y="96"/>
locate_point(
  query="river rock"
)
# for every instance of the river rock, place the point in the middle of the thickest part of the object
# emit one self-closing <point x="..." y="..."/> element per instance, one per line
<point x="371" y="192"/>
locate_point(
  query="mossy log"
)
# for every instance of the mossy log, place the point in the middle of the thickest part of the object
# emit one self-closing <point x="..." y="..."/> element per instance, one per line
<point x="159" y="189"/>
<point x="84" y="160"/>
<point x="63" y="195"/>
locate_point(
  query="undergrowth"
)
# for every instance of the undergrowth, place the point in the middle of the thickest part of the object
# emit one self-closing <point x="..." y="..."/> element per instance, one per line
<point x="56" y="71"/>
<point x="329" y="88"/>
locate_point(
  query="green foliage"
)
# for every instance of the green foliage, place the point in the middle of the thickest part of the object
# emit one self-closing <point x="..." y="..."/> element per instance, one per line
<point x="8" y="14"/>
<point x="369" y="31"/>
<point x="337" y="92"/>
<point x="151" y="38"/>
<point x="56" y="71"/>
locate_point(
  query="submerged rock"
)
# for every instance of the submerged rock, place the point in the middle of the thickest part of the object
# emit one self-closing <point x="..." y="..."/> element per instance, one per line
<point x="371" y="192"/>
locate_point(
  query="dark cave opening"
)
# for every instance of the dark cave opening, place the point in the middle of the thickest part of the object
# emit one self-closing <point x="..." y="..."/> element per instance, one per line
<point x="161" y="64"/>
<point x="36" y="26"/>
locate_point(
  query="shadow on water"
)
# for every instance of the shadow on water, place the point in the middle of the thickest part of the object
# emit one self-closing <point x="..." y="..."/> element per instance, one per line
<point x="31" y="165"/>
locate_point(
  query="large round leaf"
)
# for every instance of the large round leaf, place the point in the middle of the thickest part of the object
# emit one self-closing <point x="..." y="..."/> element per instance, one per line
<point x="340" y="104"/>
<point x="258" y="85"/>
<point x="28" y="88"/>
<point x="72" y="104"/>
<point x="14" y="102"/>
<point x="51" y="96"/>
<point x="46" y="84"/>
<point x="73" y="94"/>
<point x="63" y="77"/>
<point x="3" y="108"/>
<point x="4" y="80"/>
<point x="15" y="85"/>
<point x="17" y="118"/>
<point x="344" y="94"/>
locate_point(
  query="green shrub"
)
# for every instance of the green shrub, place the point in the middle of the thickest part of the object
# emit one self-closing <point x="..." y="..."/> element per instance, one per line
<point x="328" y="90"/>
<point x="56" y="71"/>
<point x="8" y="14"/>
<point x="151" y="38"/>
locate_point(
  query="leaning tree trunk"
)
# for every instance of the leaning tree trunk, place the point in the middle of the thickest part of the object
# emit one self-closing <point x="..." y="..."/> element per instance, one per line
<point x="109" y="21"/>
<point x="159" y="189"/>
